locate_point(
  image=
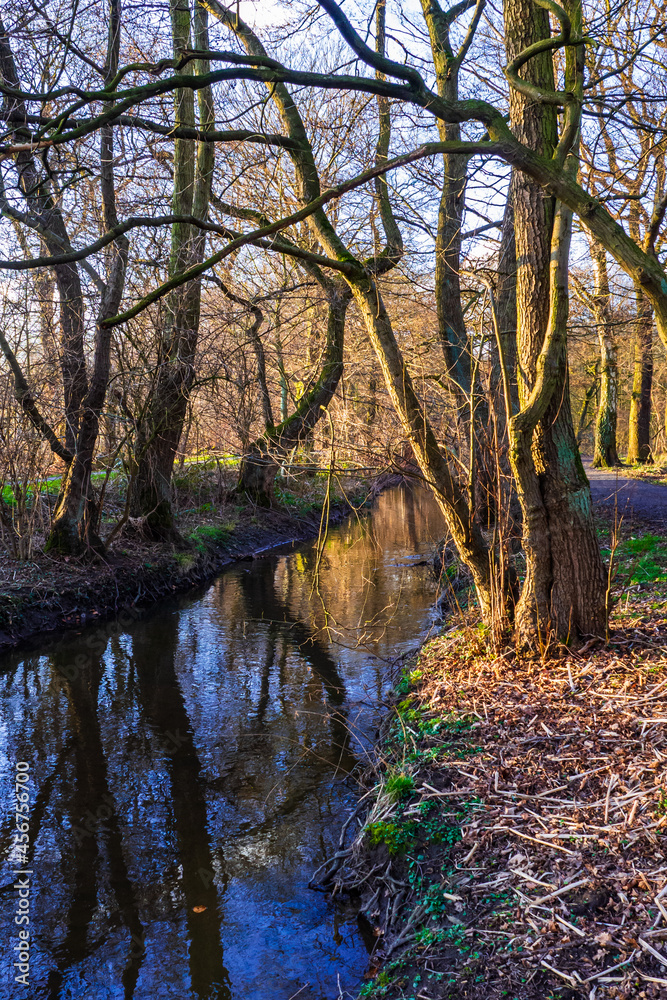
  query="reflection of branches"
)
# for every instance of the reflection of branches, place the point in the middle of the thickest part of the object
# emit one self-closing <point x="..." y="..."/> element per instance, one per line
<point x="164" y="707"/>
<point x="260" y="593"/>
<point x="92" y="795"/>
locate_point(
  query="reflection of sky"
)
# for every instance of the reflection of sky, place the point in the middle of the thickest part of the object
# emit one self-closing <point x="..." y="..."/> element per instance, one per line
<point x="210" y="738"/>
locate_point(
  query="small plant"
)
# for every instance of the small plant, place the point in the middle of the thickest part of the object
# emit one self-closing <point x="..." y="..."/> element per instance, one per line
<point x="399" y="786"/>
<point x="185" y="560"/>
<point x="398" y="834"/>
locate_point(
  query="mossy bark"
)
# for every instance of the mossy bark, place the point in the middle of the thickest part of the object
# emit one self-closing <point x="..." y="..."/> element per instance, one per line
<point x="160" y="431"/>
<point x="563" y="596"/>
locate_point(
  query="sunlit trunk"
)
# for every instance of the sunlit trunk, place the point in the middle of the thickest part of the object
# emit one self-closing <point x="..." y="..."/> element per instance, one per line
<point x="563" y="594"/>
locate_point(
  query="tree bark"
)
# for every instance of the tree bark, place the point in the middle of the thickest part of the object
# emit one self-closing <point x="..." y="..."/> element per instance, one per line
<point x="469" y="398"/>
<point x="563" y="596"/>
<point x="74" y="528"/>
<point x="506" y="301"/>
<point x="583" y="421"/>
<point x="417" y="428"/>
<point x="160" y="431"/>
<point x="605" y="455"/>
<point x="639" y="423"/>
<point x="45" y="217"/>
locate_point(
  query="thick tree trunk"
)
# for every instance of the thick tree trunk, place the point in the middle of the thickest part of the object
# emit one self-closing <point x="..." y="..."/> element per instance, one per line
<point x="563" y="593"/>
<point x="639" y="424"/>
<point x="160" y="431"/>
<point x="578" y="586"/>
<point x="563" y="596"/>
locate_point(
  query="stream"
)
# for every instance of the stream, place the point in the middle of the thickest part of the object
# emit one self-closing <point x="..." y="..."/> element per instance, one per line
<point x="188" y="773"/>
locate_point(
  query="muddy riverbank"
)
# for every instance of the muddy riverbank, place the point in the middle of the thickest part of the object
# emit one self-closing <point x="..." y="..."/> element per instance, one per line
<point x="511" y="841"/>
<point x="42" y="595"/>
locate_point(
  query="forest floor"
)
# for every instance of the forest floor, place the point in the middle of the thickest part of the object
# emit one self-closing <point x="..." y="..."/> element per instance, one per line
<point x="510" y="841"/>
<point x="42" y="595"/>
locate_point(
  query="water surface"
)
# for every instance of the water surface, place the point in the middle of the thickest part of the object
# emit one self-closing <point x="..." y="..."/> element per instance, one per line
<point x="189" y="772"/>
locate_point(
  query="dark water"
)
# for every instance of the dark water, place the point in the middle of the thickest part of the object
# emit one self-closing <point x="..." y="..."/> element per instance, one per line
<point x="188" y="774"/>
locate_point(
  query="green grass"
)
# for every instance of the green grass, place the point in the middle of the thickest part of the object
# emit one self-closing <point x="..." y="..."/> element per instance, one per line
<point x="641" y="560"/>
<point x="206" y="536"/>
<point x="399" y="786"/>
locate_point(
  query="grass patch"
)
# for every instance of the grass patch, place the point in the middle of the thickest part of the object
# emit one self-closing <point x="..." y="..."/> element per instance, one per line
<point x="399" y="786"/>
<point x="208" y="536"/>
<point x="640" y="559"/>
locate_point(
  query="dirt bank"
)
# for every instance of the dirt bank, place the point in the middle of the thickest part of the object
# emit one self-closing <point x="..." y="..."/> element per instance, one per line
<point x="510" y="838"/>
<point x="43" y="595"/>
<point x="512" y="843"/>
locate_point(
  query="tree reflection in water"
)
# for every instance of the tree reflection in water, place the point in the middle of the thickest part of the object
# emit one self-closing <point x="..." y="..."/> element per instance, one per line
<point x="189" y="773"/>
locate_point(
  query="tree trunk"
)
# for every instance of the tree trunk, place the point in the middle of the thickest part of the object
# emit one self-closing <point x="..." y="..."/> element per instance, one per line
<point x="563" y="594"/>
<point x="506" y="302"/>
<point x="451" y="323"/>
<point x="583" y="421"/>
<point x="260" y="465"/>
<point x="45" y="216"/>
<point x="412" y="415"/>
<point x="639" y="424"/>
<point x="417" y="428"/>
<point x="160" y="431"/>
<point x="73" y="530"/>
<point x="460" y="368"/>
<point x="605" y="454"/>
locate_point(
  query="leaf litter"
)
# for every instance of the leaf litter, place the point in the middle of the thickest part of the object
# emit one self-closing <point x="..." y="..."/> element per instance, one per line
<point x="525" y="858"/>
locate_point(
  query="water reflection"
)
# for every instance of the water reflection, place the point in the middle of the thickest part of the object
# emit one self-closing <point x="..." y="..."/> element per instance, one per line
<point x="190" y="771"/>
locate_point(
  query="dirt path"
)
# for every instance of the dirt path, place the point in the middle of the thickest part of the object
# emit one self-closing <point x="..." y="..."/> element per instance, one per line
<point x="635" y="499"/>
